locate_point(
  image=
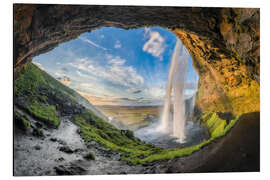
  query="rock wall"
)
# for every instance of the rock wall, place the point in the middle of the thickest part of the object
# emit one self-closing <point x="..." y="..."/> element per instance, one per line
<point x="224" y="43"/>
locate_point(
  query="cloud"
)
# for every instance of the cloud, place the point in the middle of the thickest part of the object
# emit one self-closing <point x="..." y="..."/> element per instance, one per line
<point x="91" y="43"/>
<point x="82" y="74"/>
<point x="64" y="70"/>
<point x="155" y="92"/>
<point x="116" y="60"/>
<point x="134" y="90"/>
<point x="39" y="66"/>
<point x="58" y="74"/>
<point x="155" y="45"/>
<point x="117" y="44"/>
<point x="64" y="80"/>
<point x="113" y="71"/>
<point x="125" y="99"/>
<point x="137" y="92"/>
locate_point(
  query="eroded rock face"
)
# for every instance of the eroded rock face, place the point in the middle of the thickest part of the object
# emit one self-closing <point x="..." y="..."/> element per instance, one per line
<point x="224" y="43"/>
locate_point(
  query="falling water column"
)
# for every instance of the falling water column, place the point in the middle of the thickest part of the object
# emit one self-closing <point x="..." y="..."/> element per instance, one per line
<point x="176" y="81"/>
<point x="179" y="118"/>
<point x="166" y="109"/>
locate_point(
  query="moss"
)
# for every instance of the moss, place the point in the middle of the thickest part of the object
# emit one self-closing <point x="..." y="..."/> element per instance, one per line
<point x="45" y="113"/>
<point x="135" y="151"/>
<point x="213" y="123"/>
<point x="180" y="152"/>
<point x="66" y="149"/>
<point x="90" y="156"/>
<point x="246" y="98"/>
<point x="21" y="121"/>
<point x="43" y="98"/>
<point x="38" y="133"/>
<point x="95" y="129"/>
<point x="33" y="81"/>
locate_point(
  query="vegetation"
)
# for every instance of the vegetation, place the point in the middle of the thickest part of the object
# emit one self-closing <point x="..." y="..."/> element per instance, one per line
<point x="66" y="149"/>
<point x="34" y="81"/>
<point x="135" y="151"/>
<point x="43" y="96"/>
<point x="21" y="121"/>
<point x="38" y="132"/>
<point x="45" y="113"/>
<point x="95" y="129"/>
<point x="89" y="156"/>
<point x="179" y="152"/>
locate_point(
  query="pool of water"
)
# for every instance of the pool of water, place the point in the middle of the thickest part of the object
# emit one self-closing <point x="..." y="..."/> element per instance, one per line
<point x="152" y="134"/>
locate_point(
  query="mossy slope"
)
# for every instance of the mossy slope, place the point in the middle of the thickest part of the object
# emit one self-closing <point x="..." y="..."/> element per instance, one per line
<point x="42" y="96"/>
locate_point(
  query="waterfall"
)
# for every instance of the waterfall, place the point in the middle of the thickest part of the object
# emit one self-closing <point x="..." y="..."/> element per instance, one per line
<point x="176" y="83"/>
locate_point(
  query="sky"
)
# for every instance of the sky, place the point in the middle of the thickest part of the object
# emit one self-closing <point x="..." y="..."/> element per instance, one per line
<point x="112" y="66"/>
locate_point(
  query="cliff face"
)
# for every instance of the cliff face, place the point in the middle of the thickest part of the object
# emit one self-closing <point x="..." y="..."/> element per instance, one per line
<point x="224" y="43"/>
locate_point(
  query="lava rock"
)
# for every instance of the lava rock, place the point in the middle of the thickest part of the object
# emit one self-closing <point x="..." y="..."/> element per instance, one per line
<point x="66" y="149"/>
<point x="60" y="141"/>
<point x="37" y="147"/>
<point x="78" y="150"/>
<point x="38" y="125"/>
<point x="69" y="170"/>
<point x="89" y="156"/>
<point x="59" y="159"/>
<point x="38" y="132"/>
<point x="53" y="139"/>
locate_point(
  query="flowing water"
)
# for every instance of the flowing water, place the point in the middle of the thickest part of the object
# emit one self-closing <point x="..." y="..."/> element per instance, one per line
<point x="152" y="134"/>
<point x="175" y="87"/>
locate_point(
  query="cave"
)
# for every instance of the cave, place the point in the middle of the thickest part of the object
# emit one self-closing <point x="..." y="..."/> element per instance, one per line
<point x="224" y="44"/>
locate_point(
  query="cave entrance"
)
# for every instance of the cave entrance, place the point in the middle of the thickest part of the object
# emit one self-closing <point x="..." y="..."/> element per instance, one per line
<point x="124" y="73"/>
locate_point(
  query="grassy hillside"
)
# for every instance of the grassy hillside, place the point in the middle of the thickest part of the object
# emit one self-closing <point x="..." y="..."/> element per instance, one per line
<point x="46" y="99"/>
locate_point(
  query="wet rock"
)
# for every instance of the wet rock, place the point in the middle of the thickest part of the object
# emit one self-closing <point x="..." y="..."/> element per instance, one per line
<point x="89" y="156"/>
<point x="38" y="132"/>
<point x="53" y="139"/>
<point x="38" y="125"/>
<point x="60" y="141"/>
<point x="69" y="170"/>
<point x="21" y="121"/>
<point x="66" y="149"/>
<point x="59" y="159"/>
<point x="78" y="150"/>
<point x="37" y="147"/>
<point x="128" y="133"/>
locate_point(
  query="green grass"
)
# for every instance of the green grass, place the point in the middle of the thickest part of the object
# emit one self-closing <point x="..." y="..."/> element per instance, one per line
<point x="180" y="152"/>
<point x="34" y="80"/>
<point x="45" y="112"/>
<point x="37" y="88"/>
<point x="95" y="129"/>
<point x="135" y="151"/>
